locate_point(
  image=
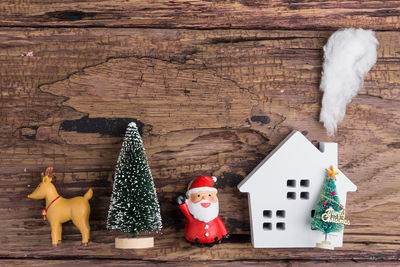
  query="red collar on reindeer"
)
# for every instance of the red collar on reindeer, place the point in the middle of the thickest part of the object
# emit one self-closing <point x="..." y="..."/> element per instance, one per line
<point x="44" y="211"/>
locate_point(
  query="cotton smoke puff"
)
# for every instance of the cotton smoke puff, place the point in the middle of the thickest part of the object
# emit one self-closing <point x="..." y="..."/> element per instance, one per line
<point x="349" y="55"/>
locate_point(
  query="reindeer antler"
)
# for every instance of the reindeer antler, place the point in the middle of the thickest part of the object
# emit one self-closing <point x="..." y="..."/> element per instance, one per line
<point x="49" y="172"/>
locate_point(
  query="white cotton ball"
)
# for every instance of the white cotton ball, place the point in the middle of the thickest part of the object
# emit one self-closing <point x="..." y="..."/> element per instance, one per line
<point x="349" y="55"/>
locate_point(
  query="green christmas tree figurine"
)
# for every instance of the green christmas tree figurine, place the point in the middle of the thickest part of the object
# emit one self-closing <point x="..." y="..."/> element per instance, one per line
<point x="328" y="201"/>
<point x="134" y="206"/>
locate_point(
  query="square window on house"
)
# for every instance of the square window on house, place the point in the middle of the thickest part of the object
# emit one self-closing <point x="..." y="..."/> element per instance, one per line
<point x="267" y="214"/>
<point x="312" y="213"/>
<point x="291" y="195"/>
<point x="305" y="183"/>
<point x="304" y="195"/>
<point x="280" y="213"/>
<point x="267" y="226"/>
<point x="280" y="226"/>
<point x="291" y="183"/>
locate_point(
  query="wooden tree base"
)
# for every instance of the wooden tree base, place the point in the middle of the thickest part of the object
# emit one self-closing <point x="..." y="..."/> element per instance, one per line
<point x="134" y="243"/>
<point x="325" y="245"/>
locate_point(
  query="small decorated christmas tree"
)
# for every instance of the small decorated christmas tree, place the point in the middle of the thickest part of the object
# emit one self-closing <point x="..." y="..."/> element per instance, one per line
<point x="328" y="205"/>
<point x="134" y="206"/>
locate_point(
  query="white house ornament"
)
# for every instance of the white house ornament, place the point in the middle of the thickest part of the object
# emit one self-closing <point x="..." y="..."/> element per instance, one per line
<point x="201" y="207"/>
<point x="283" y="190"/>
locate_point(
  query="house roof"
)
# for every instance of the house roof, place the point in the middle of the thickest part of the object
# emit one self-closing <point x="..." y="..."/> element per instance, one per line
<point x="300" y="149"/>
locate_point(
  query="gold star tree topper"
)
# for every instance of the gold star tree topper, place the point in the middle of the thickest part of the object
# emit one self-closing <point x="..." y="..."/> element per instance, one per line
<point x="331" y="173"/>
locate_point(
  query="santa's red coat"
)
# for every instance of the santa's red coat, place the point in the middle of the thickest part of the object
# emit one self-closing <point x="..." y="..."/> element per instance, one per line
<point x="205" y="232"/>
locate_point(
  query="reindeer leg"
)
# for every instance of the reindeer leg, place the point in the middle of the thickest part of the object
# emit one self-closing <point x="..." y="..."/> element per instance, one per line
<point x="86" y="233"/>
<point x="59" y="234"/>
<point x="54" y="233"/>
<point x="84" y="228"/>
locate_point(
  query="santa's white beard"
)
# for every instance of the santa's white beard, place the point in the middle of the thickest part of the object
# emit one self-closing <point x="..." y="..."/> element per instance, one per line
<point x="204" y="214"/>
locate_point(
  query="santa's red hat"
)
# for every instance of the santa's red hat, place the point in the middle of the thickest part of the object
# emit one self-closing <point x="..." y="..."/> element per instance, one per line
<point x="202" y="183"/>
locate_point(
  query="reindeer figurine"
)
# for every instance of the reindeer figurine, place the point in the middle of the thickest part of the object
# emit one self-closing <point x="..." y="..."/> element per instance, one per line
<point x="60" y="210"/>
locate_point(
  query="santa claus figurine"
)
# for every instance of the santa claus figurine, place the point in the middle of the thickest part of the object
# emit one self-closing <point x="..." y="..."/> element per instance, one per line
<point x="200" y="206"/>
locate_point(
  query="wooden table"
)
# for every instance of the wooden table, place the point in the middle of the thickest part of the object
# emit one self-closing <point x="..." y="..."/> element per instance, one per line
<point x="214" y="86"/>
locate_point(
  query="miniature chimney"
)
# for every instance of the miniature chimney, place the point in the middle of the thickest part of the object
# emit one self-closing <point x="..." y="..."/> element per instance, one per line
<point x="331" y="151"/>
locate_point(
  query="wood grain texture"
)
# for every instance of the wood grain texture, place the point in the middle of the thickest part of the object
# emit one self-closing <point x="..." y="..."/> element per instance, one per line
<point x="212" y="102"/>
<point x="121" y="263"/>
<point x="203" y="14"/>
